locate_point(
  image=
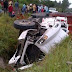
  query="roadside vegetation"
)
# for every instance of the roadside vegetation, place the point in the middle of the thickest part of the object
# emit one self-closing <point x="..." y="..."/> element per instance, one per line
<point x="8" y="36"/>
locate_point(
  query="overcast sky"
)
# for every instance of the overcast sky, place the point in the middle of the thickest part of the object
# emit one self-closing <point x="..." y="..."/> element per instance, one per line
<point x="70" y="1"/>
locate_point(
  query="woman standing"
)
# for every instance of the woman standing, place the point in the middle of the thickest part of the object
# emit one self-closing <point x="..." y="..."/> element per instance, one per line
<point x="34" y="8"/>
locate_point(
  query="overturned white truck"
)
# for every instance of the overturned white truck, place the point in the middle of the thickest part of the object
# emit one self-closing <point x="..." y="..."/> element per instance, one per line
<point x="37" y="39"/>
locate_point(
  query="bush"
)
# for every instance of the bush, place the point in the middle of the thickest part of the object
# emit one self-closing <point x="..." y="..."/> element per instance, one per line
<point x="8" y="37"/>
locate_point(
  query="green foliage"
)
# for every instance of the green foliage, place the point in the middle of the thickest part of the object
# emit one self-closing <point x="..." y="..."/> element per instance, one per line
<point x="8" y="37"/>
<point x="48" y="3"/>
<point x="69" y="10"/>
<point x="65" y="5"/>
<point x="27" y="1"/>
<point x="4" y="70"/>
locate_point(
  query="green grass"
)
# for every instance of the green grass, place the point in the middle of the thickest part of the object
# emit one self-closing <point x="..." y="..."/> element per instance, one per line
<point x="8" y="36"/>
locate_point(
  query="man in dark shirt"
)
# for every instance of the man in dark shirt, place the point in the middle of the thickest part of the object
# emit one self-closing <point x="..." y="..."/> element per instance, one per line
<point x="5" y="6"/>
<point x="16" y="4"/>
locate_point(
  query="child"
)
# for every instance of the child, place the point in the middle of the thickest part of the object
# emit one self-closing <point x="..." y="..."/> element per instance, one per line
<point x="10" y="9"/>
<point x="42" y="10"/>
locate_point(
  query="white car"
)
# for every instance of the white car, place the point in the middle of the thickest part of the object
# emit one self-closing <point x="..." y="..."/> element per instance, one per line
<point x="51" y="10"/>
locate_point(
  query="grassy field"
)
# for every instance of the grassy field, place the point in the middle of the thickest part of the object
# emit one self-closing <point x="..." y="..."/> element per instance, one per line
<point x="53" y="62"/>
<point x="8" y="38"/>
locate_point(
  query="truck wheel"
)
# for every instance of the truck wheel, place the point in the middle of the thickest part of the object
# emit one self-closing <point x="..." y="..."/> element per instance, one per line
<point x="24" y="24"/>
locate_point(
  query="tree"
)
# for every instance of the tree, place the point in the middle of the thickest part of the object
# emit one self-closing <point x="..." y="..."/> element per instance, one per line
<point x="58" y="6"/>
<point x="65" y="5"/>
<point x="55" y="3"/>
<point x="48" y="3"/>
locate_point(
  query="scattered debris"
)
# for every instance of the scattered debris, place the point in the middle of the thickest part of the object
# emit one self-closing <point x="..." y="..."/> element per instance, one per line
<point x="68" y="62"/>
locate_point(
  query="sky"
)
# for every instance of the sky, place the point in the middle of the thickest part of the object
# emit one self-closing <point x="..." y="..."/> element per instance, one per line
<point x="70" y="1"/>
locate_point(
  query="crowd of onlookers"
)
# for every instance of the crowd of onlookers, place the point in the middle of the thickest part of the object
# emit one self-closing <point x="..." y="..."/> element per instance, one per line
<point x="7" y="7"/>
<point x="34" y="8"/>
<point x="13" y="8"/>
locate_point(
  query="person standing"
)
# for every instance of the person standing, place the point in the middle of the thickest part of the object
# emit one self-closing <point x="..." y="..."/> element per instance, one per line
<point x="10" y="9"/>
<point x="39" y="8"/>
<point x="28" y="8"/>
<point x="5" y="6"/>
<point x="34" y="8"/>
<point x="2" y="4"/>
<point x="31" y="7"/>
<point x="46" y="9"/>
<point x="23" y="9"/>
<point x="16" y="7"/>
<point x="42" y="10"/>
<point x="10" y="2"/>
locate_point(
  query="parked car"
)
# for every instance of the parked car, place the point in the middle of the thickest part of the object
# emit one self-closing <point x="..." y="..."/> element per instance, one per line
<point x="52" y="10"/>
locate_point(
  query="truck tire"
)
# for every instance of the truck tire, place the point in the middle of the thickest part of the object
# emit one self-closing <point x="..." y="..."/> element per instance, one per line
<point x="24" y="24"/>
